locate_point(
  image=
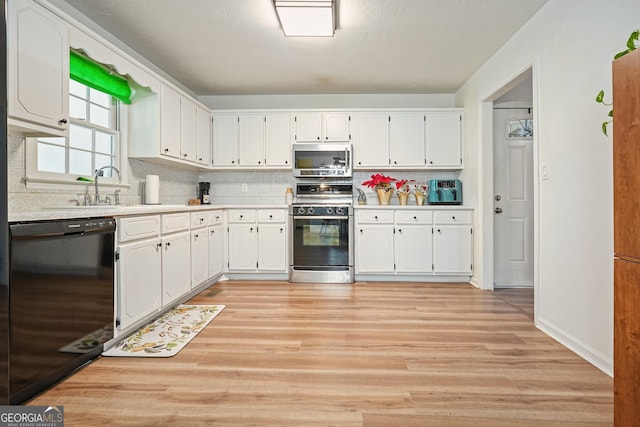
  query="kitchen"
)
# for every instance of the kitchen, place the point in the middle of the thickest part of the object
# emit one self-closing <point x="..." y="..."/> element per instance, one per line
<point x="584" y="327"/>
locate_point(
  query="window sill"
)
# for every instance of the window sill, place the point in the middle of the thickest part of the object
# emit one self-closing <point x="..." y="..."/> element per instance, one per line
<point x="62" y="184"/>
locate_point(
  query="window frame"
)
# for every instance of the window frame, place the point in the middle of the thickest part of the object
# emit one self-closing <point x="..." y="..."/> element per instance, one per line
<point x="35" y="179"/>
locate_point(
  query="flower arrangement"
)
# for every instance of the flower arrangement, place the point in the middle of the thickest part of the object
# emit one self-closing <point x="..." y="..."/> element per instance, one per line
<point x="379" y="182"/>
<point x="420" y="187"/>
<point x="402" y="185"/>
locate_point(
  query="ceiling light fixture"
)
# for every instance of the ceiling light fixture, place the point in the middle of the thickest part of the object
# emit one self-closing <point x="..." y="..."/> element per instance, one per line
<point x="306" y="18"/>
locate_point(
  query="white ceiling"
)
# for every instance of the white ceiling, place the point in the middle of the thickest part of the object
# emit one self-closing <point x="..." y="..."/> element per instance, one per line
<point x="236" y="47"/>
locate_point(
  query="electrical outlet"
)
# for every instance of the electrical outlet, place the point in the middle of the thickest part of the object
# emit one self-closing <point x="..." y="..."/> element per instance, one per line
<point x="245" y="188"/>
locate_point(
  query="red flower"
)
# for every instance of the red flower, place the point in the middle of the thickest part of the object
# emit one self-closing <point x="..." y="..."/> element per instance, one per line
<point x="403" y="185"/>
<point x="379" y="181"/>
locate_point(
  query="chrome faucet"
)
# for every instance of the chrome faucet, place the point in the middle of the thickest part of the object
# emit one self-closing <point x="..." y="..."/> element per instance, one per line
<point x="99" y="173"/>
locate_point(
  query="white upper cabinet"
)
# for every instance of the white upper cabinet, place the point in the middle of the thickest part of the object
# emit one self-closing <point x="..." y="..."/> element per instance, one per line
<point x="225" y="140"/>
<point x="38" y="70"/>
<point x="252" y="140"/>
<point x="443" y="133"/>
<point x="203" y="136"/>
<point x="188" y="129"/>
<point x="370" y="139"/>
<point x="322" y="127"/>
<point x="169" y="127"/>
<point x="406" y="140"/>
<point x="277" y="146"/>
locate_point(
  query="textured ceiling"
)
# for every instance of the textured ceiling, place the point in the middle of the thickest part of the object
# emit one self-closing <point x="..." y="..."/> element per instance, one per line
<point x="236" y="47"/>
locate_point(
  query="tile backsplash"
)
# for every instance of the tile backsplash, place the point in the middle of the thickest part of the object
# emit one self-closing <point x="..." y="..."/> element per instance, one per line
<point x="178" y="185"/>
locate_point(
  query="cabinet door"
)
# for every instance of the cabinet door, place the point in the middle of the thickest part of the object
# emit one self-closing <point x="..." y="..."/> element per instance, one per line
<point x="225" y="140"/>
<point x="626" y="348"/>
<point x="308" y="127"/>
<point x="38" y="67"/>
<point x="374" y="248"/>
<point x="176" y="266"/>
<point x="272" y="244"/>
<point x="452" y="249"/>
<point x="277" y="140"/>
<point x="203" y="136"/>
<point x="242" y="247"/>
<point x="413" y="249"/>
<point x="335" y="127"/>
<point x="188" y="126"/>
<point x="199" y="256"/>
<point x="251" y="140"/>
<point x="170" y="122"/>
<point x="216" y="251"/>
<point x="443" y="137"/>
<point x="139" y="281"/>
<point x="371" y="140"/>
<point x="406" y="139"/>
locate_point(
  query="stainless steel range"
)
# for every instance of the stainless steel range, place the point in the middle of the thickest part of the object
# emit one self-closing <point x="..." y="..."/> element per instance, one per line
<point x="321" y="237"/>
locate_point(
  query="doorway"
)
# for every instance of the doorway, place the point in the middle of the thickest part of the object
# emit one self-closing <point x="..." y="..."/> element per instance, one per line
<point x="513" y="202"/>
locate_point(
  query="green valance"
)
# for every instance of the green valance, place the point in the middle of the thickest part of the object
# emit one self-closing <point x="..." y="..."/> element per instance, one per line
<point x="92" y="74"/>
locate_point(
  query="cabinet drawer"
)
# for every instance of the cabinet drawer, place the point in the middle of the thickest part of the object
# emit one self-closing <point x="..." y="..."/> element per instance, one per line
<point x="215" y="217"/>
<point x="199" y="219"/>
<point x="414" y="217"/>
<point x="452" y="217"/>
<point x="272" y="215"/>
<point x="138" y="227"/>
<point x="242" y="215"/>
<point x="175" y="222"/>
<point x="374" y="217"/>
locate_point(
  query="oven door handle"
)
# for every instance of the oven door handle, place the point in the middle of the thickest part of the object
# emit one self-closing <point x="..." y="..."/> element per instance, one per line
<point x="341" y="218"/>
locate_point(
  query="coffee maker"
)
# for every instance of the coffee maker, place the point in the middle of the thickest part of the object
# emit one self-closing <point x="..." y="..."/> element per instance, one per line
<point x="203" y="192"/>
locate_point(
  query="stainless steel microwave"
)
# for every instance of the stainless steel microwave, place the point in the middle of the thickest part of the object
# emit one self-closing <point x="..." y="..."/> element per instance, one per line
<point x="323" y="160"/>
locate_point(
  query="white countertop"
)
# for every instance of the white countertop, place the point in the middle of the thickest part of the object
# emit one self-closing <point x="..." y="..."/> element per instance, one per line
<point x="69" y="212"/>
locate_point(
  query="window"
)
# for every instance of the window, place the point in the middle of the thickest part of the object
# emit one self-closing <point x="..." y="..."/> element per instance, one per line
<point x="93" y="142"/>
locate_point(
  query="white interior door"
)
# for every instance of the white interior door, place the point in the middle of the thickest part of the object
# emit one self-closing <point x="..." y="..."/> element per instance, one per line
<point x="513" y="203"/>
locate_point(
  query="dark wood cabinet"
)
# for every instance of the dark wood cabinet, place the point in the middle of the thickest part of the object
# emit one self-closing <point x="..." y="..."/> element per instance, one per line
<point x="626" y="158"/>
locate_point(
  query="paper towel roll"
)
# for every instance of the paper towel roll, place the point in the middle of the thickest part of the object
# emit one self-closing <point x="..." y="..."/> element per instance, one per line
<point x="152" y="190"/>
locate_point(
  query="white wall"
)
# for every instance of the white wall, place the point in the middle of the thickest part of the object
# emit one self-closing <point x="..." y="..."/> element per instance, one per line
<point x="570" y="44"/>
<point x="223" y="102"/>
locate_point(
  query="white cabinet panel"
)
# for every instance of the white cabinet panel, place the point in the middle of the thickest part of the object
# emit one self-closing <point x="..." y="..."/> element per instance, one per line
<point x="322" y="127"/>
<point x="452" y="249"/>
<point x="413" y="248"/>
<point x="38" y="70"/>
<point x="370" y="140"/>
<point x="138" y="227"/>
<point x="406" y="139"/>
<point x="278" y="140"/>
<point x="374" y="248"/>
<point x="170" y="122"/>
<point x="176" y="266"/>
<point x="216" y="250"/>
<point x="199" y="256"/>
<point x="188" y="127"/>
<point x="139" y="281"/>
<point x="225" y="140"/>
<point x="444" y="140"/>
<point x="203" y="136"/>
<point x="272" y="243"/>
<point x="251" y="140"/>
<point x="242" y="249"/>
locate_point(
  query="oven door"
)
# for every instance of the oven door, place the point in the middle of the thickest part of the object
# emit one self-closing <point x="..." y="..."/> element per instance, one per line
<point x="325" y="160"/>
<point x="321" y="249"/>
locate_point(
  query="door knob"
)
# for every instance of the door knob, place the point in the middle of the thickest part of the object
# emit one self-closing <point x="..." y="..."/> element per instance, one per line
<point x="498" y="210"/>
<point x="498" y="197"/>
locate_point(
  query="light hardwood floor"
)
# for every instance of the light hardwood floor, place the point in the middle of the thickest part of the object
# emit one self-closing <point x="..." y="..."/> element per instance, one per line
<point x="367" y="354"/>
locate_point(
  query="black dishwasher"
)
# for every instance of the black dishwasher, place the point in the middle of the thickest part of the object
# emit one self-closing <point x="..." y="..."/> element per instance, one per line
<point x="60" y="299"/>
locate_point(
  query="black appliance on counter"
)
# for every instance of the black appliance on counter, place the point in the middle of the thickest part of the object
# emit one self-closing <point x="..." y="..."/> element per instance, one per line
<point x="203" y="193"/>
<point x="61" y="309"/>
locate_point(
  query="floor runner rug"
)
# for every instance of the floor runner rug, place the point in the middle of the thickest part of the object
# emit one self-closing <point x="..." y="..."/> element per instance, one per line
<point x="167" y="335"/>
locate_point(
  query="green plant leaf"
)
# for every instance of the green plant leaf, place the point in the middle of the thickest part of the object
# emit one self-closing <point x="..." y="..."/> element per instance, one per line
<point x="600" y="96"/>
<point x="621" y="54"/>
<point x="610" y="113"/>
<point x="632" y="39"/>
<point x="604" y="128"/>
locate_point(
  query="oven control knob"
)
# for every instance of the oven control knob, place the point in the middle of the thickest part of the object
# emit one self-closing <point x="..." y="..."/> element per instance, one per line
<point x="339" y="211"/>
<point x="301" y="210"/>
<point x="329" y="211"/>
<point x="310" y="211"/>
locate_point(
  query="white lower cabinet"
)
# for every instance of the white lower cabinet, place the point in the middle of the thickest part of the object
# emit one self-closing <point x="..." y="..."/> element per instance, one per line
<point x="257" y="240"/>
<point x="199" y="248"/>
<point x="453" y="242"/>
<point x="176" y="257"/>
<point x="138" y="269"/>
<point x="216" y="243"/>
<point x="413" y="242"/>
